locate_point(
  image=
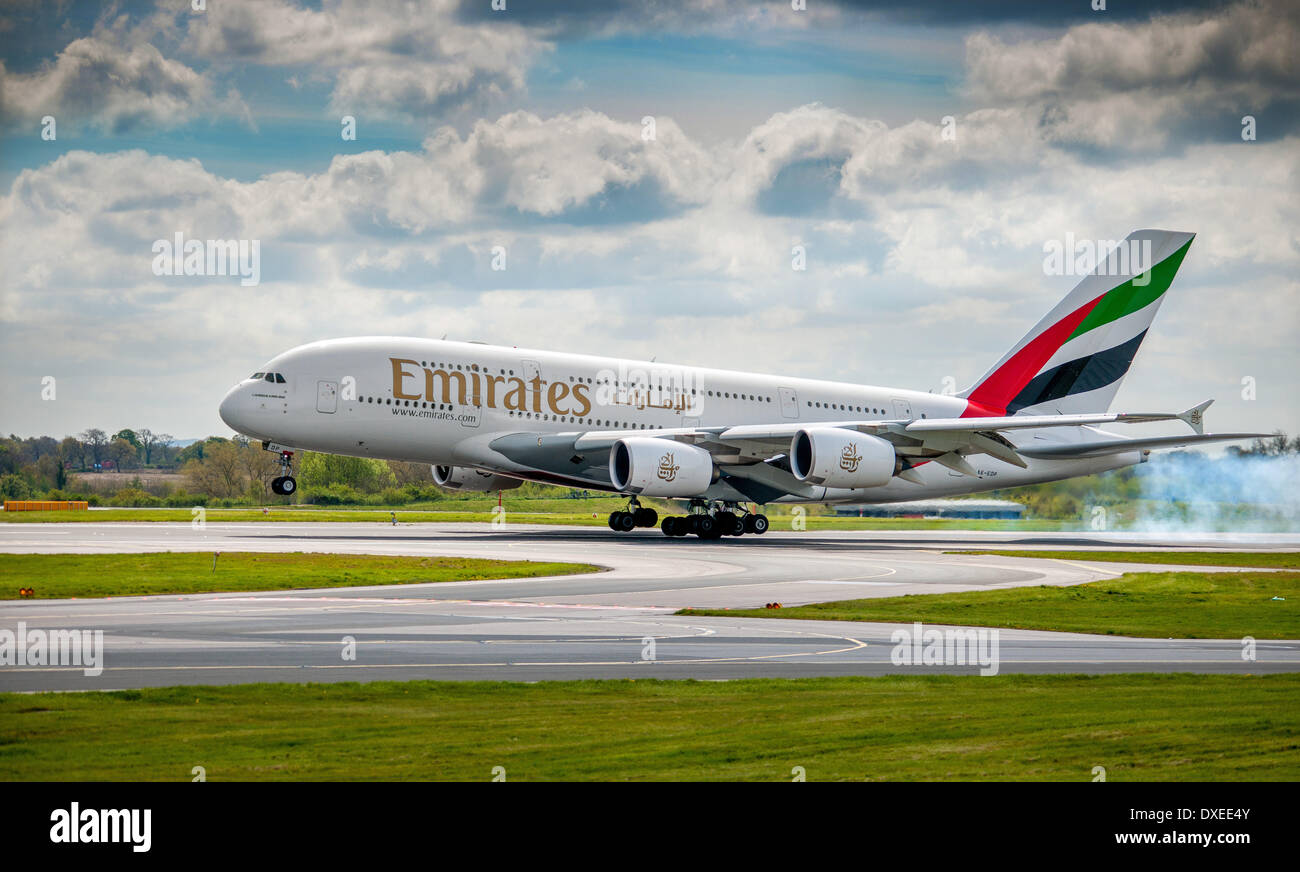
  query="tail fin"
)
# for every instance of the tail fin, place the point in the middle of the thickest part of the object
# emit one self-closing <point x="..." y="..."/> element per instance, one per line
<point x="1074" y="359"/>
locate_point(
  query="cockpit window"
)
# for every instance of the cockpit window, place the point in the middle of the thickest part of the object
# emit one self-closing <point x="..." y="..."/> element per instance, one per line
<point x="279" y="379"/>
<point x="270" y="376"/>
<point x="257" y="375"/>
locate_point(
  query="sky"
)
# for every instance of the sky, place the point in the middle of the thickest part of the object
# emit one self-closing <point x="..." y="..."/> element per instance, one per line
<point x="650" y="170"/>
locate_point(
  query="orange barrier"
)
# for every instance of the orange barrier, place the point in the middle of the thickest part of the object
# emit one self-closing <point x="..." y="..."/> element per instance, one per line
<point x="44" y="505"/>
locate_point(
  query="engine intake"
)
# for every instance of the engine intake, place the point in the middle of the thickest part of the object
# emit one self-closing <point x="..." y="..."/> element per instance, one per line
<point x="834" y="457"/>
<point x="467" y="480"/>
<point x="660" y="467"/>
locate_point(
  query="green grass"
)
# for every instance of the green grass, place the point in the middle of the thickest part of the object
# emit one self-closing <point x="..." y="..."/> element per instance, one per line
<point x="1140" y="727"/>
<point x="1254" y="559"/>
<point x="1179" y="605"/>
<point x="92" y="575"/>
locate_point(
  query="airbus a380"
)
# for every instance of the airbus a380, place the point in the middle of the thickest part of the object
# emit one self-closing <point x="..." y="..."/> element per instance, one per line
<point x="489" y="417"/>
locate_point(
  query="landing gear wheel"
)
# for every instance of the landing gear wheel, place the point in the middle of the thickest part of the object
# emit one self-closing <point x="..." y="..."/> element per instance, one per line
<point x="646" y="517"/>
<point x="613" y="516"/>
<point x="760" y="524"/>
<point x="275" y="486"/>
<point x="706" y="527"/>
<point x="747" y="523"/>
<point x="288" y="485"/>
<point x="728" y="524"/>
<point x="671" y="526"/>
<point x="624" y="522"/>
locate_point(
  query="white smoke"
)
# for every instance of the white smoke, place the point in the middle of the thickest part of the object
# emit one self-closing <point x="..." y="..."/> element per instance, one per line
<point x="1191" y="492"/>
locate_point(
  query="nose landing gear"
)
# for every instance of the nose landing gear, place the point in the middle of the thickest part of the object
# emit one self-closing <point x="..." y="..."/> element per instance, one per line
<point x="285" y="485"/>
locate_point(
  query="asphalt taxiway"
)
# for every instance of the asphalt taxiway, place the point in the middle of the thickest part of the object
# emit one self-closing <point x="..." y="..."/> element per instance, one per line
<point x="589" y="626"/>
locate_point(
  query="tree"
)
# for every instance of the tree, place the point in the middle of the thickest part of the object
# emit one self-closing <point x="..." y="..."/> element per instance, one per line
<point x="71" y="450"/>
<point x="122" y="453"/>
<point x="410" y="473"/>
<point x="359" y="473"/>
<point x="259" y="466"/>
<point x="150" y="442"/>
<point x="96" y="440"/>
<point x="162" y="443"/>
<point x="219" y="472"/>
<point x="197" y="450"/>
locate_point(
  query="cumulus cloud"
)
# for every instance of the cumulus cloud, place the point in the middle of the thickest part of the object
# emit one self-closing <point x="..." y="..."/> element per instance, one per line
<point x="396" y="57"/>
<point x="670" y="247"/>
<point x="114" y="86"/>
<point x="1129" y="84"/>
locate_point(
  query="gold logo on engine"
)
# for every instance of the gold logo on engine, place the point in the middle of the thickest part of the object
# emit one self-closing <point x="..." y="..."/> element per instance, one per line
<point x="850" y="458"/>
<point x="667" y="469"/>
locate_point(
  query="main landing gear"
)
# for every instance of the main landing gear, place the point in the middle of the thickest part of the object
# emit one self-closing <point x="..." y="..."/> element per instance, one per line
<point x="623" y="522"/>
<point x="286" y="484"/>
<point x="714" y="523"/>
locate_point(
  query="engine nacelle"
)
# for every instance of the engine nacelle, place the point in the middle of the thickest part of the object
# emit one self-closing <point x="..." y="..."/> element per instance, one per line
<point x="660" y="467"/>
<point x="462" y="478"/>
<point x="835" y="457"/>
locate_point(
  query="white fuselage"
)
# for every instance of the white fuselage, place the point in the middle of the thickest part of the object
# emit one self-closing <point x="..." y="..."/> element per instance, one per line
<point x="447" y="403"/>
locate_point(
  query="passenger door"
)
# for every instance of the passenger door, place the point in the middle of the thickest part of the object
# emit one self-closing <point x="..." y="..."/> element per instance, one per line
<point x="789" y="402"/>
<point x="327" y="397"/>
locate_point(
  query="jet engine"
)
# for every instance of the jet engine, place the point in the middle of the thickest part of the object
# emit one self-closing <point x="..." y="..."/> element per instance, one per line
<point x="660" y="467"/>
<point x="463" y="478"/>
<point x="834" y="457"/>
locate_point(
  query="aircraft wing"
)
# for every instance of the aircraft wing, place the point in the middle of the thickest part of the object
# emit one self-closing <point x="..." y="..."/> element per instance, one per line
<point x="943" y="440"/>
<point x="756" y="452"/>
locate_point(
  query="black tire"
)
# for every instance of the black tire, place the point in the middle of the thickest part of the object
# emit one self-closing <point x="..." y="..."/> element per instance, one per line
<point x="612" y="525"/>
<point x="288" y="485"/>
<point x="706" y="527"/>
<point x="760" y="524"/>
<point x="747" y="523"/>
<point x="275" y="486"/>
<point x="669" y="526"/>
<point x="626" y="521"/>
<point x="646" y="517"/>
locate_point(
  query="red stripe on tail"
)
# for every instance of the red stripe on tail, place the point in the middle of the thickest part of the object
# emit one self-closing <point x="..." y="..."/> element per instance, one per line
<point x="990" y="397"/>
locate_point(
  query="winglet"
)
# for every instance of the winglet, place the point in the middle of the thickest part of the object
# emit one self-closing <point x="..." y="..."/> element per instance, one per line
<point x="1195" y="416"/>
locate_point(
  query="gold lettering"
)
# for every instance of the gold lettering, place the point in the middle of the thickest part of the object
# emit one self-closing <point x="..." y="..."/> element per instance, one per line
<point x="492" y="381"/>
<point x="537" y="393"/>
<point x="446" y="377"/>
<point x="517" y="399"/>
<point x="580" y="391"/>
<point x="399" y="374"/>
<point x="558" y="391"/>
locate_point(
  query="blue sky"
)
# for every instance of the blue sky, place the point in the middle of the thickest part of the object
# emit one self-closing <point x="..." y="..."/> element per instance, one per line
<point x="775" y="128"/>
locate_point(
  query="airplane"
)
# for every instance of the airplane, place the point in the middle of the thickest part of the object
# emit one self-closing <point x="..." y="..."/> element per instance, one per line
<point x="490" y="417"/>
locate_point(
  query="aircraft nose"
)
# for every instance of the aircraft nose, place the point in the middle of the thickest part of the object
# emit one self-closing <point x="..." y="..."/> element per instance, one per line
<point x="231" y="407"/>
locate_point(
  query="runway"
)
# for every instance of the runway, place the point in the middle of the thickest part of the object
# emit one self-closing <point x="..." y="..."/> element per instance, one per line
<point x="590" y="626"/>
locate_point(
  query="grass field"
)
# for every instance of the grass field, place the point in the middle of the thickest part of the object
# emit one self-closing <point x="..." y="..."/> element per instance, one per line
<point x="1178" y="605"/>
<point x="1256" y="559"/>
<point x="91" y="575"/>
<point x="1140" y="727"/>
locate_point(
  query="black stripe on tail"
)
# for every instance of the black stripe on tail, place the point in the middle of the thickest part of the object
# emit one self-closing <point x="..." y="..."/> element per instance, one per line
<point x="1078" y="376"/>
